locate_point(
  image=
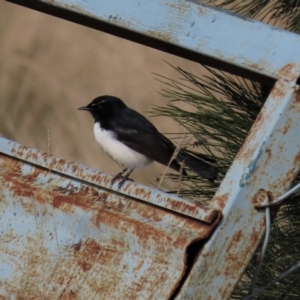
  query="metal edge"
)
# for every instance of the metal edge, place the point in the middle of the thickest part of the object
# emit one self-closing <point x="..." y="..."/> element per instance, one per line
<point x="101" y="179"/>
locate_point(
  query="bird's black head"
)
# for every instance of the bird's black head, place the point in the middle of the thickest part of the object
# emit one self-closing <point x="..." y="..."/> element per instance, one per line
<point x="103" y="105"/>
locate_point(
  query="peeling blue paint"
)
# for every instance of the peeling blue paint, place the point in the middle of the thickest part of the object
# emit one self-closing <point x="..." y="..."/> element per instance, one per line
<point x="252" y="166"/>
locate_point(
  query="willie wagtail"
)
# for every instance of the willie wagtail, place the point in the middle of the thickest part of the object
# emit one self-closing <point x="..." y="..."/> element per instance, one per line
<point x="133" y="142"/>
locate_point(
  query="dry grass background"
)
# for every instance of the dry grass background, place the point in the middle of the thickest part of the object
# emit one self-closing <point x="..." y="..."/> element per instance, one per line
<point x="49" y="67"/>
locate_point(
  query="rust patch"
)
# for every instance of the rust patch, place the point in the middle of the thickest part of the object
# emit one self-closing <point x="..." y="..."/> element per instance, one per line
<point x="287" y="126"/>
<point x="289" y="178"/>
<point x="287" y="70"/>
<point x="269" y="155"/>
<point x="259" y="117"/>
<point x="85" y="266"/>
<point x="91" y="253"/>
<point x="277" y="91"/>
<point x="261" y="197"/>
<point x="255" y="235"/>
<point x="77" y="246"/>
<point x="67" y="295"/>
<point x="220" y="201"/>
<point x="66" y="203"/>
<point x="103" y="197"/>
<point x="245" y="153"/>
<point x="297" y="159"/>
<point x="284" y="183"/>
<point x="255" y="66"/>
<point x="297" y="98"/>
<point x="22" y="189"/>
<point x="86" y="254"/>
<point x="237" y="238"/>
<point x="141" y="192"/>
<point x="94" y="177"/>
<point x="74" y="168"/>
<point x="33" y="175"/>
<point x="176" y="205"/>
<point x="93" y="248"/>
<point x="237" y="261"/>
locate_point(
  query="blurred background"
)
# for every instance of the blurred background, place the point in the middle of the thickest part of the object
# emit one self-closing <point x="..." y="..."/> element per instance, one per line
<point x="49" y="67"/>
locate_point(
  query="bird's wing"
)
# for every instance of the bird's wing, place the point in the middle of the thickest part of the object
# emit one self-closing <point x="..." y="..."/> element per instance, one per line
<point x="201" y="156"/>
<point x="137" y="133"/>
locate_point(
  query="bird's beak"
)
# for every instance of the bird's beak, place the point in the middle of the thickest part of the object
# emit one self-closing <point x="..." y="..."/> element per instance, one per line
<point x="84" y="108"/>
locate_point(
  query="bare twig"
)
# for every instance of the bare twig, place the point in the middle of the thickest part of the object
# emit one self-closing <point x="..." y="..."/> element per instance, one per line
<point x="180" y="178"/>
<point x="180" y="146"/>
<point x="292" y="269"/>
<point x="263" y="252"/>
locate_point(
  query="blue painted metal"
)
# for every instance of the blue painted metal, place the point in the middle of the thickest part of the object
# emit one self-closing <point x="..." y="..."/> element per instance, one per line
<point x="65" y="235"/>
<point x="190" y="29"/>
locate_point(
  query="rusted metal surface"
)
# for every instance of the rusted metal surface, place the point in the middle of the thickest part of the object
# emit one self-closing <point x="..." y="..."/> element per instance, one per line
<point x="103" y="180"/>
<point x="65" y="235"/>
<point x="187" y="28"/>
<point x="263" y="170"/>
<point x="144" y="251"/>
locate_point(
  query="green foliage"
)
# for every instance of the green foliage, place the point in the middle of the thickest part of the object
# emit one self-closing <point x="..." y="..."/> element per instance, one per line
<point x="222" y="110"/>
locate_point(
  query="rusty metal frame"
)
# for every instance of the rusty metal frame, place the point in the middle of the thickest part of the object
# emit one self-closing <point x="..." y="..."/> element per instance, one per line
<point x="266" y="164"/>
<point x="103" y="180"/>
<point x="269" y="159"/>
<point x="186" y="28"/>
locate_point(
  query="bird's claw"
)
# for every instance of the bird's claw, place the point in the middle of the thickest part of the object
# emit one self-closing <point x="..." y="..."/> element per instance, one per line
<point x="115" y="179"/>
<point x="121" y="183"/>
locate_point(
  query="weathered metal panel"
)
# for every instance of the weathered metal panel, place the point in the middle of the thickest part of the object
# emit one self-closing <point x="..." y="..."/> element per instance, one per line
<point x="267" y="163"/>
<point x="187" y="28"/>
<point x="65" y="235"/>
<point x="143" y="228"/>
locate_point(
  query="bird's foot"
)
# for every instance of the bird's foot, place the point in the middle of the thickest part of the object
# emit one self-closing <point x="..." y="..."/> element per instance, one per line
<point x="119" y="175"/>
<point x="124" y="178"/>
<point x="121" y="183"/>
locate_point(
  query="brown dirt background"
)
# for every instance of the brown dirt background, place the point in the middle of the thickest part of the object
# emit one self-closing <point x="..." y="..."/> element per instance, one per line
<point x="49" y="67"/>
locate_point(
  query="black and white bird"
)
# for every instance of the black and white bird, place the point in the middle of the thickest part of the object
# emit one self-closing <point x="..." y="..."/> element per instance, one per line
<point x="133" y="142"/>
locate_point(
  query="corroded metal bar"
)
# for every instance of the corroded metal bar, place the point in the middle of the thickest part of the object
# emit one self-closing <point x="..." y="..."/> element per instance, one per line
<point x="268" y="162"/>
<point x="101" y="179"/>
<point x="187" y="28"/>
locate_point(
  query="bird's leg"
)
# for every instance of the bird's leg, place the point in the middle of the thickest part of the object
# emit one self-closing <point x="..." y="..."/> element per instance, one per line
<point x="125" y="178"/>
<point x="119" y="175"/>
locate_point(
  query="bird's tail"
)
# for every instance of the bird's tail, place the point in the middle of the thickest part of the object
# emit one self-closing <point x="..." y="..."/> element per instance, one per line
<point x="198" y="166"/>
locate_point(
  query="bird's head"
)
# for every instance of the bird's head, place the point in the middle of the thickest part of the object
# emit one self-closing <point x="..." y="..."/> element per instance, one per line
<point x="103" y="105"/>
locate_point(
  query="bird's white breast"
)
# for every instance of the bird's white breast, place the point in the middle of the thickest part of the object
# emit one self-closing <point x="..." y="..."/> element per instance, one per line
<point x="120" y="153"/>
